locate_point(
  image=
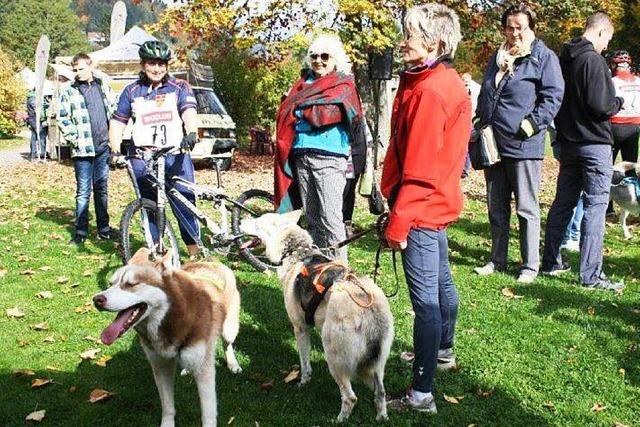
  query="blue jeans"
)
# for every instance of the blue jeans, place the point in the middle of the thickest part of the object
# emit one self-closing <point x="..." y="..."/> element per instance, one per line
<point x="434" y="299"/>
<point x="43" y="143"/>
<point x="586" y="168"/>
<point x="179" y="165"/>
<point x="573" y="229"/>
<point x="92" y="172"/>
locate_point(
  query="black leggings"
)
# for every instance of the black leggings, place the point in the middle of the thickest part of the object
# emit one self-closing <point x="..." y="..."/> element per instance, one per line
<point x="625" y="140"/>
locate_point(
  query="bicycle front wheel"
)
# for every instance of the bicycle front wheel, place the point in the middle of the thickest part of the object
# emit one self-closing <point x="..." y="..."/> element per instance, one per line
<point x="254" y="203"/>
<point x="136" y="233"/>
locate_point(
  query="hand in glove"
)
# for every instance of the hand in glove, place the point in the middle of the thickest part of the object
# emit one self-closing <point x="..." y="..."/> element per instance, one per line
<point x="189" y="141"/>
<point x="527" y="129"/>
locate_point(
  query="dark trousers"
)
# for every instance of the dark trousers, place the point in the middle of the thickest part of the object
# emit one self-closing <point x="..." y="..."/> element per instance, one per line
<point x="583" y="167"/>
<point x="625" y="140"/>
<point x="349" y="193"/>
<point x="522" y="179"/>
<point x="179" y="165"/>
<point x="44" y="130"/>
<point x="92" y="173"/>
<point x="434" y="298"/>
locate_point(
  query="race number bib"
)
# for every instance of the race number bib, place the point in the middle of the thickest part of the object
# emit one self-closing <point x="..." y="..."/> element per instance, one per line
<point x="157" y="121"/>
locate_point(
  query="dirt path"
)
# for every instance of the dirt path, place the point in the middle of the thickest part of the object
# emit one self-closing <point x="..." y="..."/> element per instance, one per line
<point x="15" y="155"/>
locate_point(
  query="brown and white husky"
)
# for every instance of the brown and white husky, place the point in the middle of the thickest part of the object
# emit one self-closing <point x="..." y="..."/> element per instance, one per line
<point x="178" y="315"/>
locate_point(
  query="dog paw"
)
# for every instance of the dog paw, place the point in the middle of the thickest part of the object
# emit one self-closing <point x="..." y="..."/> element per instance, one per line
<point x="342" y="418"/>
<point x="235" y="369"/>
<point x="382" y="417"/>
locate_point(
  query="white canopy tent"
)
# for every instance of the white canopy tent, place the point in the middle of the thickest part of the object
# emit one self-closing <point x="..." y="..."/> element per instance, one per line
<point x="125" y="49"/>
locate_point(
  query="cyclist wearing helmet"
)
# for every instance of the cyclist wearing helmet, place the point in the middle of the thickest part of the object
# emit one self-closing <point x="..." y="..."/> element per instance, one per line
<point x="626" y="124"/>
<point x="160" y="106"/>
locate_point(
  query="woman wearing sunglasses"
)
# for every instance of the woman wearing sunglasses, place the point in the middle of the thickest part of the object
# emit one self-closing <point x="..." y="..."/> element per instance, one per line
<point x="315" y="125"/>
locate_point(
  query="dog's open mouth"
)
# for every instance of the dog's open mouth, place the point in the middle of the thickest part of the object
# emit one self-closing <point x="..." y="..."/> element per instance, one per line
<point x="122" y="323"/>
<point x="251" y="243"/>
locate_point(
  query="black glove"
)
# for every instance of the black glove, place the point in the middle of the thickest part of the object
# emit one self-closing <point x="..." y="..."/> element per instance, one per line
<point x="189" y="141"/>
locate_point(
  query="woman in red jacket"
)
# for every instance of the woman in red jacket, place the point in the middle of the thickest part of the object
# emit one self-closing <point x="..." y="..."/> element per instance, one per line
<point x="421" y="180"/>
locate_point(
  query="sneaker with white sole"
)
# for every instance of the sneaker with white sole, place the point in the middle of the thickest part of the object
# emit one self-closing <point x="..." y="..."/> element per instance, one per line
<point x="571" y="245"/>
<point x="446" y="359"/>
<point x="425" y="404"/>
<point x="605" y="284"/>
<point x="557" y="270"/>
<point x="527" y="276"/>
<point x="486" y="270"/>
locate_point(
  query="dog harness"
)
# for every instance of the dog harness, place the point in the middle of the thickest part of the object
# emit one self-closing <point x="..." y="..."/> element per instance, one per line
<point x="318" y="274"/>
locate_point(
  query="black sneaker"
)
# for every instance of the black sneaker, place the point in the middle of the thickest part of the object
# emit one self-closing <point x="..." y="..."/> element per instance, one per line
<point x="77" y="240"/>
<point x="557" y="270"/>
<point x="108" y="235"/>
<point x="605" y="284"/>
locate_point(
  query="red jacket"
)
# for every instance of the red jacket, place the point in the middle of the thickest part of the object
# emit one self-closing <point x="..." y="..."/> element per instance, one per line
<point x="430" y="129"/>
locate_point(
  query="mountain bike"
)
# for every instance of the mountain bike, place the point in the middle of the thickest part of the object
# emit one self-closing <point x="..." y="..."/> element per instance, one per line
<point x="144" y="222"/>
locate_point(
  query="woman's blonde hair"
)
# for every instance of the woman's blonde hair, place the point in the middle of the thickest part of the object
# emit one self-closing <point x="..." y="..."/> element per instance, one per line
<point x="436" y="24"/>
<point x="331" y="44"/>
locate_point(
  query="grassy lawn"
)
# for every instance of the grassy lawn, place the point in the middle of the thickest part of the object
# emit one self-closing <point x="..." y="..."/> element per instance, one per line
<point x="554" y="354"/>
<point x="8" y="142"/>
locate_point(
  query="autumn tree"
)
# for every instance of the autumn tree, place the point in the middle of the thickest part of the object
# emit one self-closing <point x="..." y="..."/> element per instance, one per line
<point x="12" y="93"/>
<point x="24" y="21"/>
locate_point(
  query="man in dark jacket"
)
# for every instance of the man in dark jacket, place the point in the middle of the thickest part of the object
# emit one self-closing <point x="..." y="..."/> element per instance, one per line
<point x="585" y="138"/>
<point x="38" y="140"/>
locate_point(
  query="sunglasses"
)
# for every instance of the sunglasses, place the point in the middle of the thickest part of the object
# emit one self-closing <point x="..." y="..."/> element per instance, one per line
<point x="323" y="56"/>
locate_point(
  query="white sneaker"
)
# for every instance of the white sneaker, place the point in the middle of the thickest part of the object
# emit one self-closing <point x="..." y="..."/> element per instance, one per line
<point x="571" y="245"/>
<point x="486" y="269"/>
<point x="527" y="276"/>
<point x="425" y="404"/>
<point x="446" y="360"/>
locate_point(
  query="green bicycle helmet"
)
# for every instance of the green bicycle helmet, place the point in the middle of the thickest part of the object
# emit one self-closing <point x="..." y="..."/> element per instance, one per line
<point x="154" y="49"/>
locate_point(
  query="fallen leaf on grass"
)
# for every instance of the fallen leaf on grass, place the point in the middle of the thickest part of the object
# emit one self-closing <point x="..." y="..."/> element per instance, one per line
<point x="549" y="405"/>
<point x="28" y="272"/>
<point x="231" y="420"/>
<point x="52" y="368"/>
<point x="93" y="339"/>
<point x="454" y="400"/>
<point x="407" y="356"/>
<point x="62" y="279"/>
<point x="292" y="376"/>
<point x="598" y="407"/>
<point x="87" y="307"/>
<point x="87" y="273"/>
<point x="23" y="343"/>
<point x="103" y="361"/>
<point x="591" y="311"/>
<point x="49" y="339"/>
<point x="266" y="386"/>
<point x="509" y="293"/>
<point x="14" y="313"/>
<point x="89" y="354"/>
<point x="617" y="424"/>
<point x="484" y="393"/>
<point x="3" y="272"/>
<point x="44" y="326"/>
<point x="44" y="294"/>
<point x="36" y="416"/>
<point x="44" y="268"/>
<point x="41" y="382"/>
<point x="98" y="395"/>
<point x="23" y="372"/>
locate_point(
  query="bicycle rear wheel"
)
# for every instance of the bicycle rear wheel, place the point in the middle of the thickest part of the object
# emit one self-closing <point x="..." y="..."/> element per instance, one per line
<point x="136" y="234"/>
<point x="254" y="204"/>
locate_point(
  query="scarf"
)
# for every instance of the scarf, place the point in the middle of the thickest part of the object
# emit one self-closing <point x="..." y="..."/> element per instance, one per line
<point x="325" y="101"/>
<point x="507" y="55"/>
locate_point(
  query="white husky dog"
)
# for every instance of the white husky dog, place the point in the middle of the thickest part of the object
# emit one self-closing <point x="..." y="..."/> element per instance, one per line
<point x="353" y="315"/>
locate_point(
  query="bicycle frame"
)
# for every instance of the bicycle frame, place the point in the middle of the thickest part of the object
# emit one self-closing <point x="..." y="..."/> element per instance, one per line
<point x="155" y="167"/>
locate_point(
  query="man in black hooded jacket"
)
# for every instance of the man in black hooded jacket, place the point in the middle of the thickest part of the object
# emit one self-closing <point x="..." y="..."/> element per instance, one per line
<point x="585" y="138"/>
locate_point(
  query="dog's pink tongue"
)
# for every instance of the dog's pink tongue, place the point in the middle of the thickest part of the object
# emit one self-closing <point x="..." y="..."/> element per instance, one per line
<point x="113" y="331"/>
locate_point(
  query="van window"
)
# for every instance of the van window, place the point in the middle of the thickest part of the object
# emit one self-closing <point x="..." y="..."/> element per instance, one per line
<point x="208" y="102"/>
